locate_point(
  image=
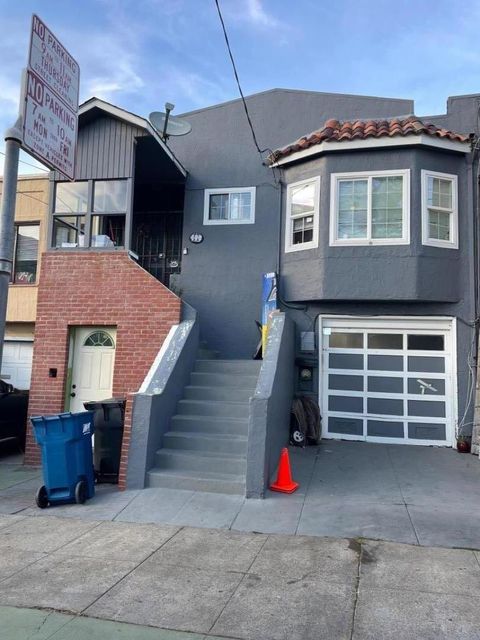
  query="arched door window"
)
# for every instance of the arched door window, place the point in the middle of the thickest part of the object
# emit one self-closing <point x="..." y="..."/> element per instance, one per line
<point x="99" y="339"/>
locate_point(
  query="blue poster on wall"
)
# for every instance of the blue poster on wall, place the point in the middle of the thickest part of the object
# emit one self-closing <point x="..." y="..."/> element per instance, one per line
<point x="269" y="304"/>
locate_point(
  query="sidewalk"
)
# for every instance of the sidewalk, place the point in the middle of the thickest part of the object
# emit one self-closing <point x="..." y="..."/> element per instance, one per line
<point x="227" y="584"/>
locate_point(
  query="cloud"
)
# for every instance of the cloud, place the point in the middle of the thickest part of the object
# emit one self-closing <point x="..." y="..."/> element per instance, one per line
<point x="257" y="14"/>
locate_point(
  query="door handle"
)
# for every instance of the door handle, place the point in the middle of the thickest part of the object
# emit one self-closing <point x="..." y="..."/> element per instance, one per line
<point x="73" y="394"/>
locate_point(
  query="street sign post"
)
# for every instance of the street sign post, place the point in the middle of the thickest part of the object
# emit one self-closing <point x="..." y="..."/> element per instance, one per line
<point x="49" y="127"/>
<point x="50" y="101"/>
<point x="49" y="60"/>
<point x="46" y="128"/>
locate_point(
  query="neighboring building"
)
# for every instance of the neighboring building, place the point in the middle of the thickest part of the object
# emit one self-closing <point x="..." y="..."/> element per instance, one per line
<point x="369" y="223"/>
<point x="31" y="214"/>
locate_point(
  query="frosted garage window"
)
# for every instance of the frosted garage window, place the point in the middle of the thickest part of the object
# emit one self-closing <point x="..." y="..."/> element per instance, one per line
<point x="385" y="341"/>
<point x="426" y="343"/>
<point x="346" y="341"/>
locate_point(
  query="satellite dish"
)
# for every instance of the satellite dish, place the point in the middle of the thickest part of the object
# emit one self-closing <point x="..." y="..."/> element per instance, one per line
<point x="168" y="125"/>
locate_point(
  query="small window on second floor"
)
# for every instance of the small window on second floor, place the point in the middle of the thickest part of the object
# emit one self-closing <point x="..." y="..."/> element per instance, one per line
<point x="439" y="210"/>
<point x="26" y="254"/>
<point x="303" y="199"/>
<point x="229" y="206"/>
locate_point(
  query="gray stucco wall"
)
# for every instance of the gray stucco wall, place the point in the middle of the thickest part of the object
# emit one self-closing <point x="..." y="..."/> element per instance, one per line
<point x="372" y="272"/>
<point x="155" y="405"/>
<point x="222" y="277"/>
<point x="269" y="421"/>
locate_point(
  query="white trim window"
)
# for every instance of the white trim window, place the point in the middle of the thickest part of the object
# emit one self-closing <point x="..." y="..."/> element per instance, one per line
<point x="439" y="209"/>
<point x="229" y="206"/>
<point x="369" y="208"/>
<point x="303" y="200"/>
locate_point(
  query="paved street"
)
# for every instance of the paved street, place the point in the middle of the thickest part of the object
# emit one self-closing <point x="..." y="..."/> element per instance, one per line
<point x="228" y="584"/>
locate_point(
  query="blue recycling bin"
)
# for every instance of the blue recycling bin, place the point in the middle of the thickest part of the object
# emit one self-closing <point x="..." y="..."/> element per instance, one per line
<point x="65" y="441"/>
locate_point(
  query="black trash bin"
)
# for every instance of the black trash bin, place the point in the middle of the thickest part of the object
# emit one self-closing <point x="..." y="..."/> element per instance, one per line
<point x="108" y="419"/>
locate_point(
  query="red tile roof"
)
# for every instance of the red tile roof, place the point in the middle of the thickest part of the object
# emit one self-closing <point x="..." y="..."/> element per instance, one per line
<point x="335" y="131"/>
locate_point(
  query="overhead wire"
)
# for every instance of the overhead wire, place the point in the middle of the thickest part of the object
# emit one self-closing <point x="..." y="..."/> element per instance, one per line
<point x="244" y="102"/>
<point x="29" y="164"/>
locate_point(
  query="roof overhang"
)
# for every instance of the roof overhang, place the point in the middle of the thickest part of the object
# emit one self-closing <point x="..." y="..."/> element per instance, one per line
<point x="133" y="119"/>
<point x="375" y="143"/>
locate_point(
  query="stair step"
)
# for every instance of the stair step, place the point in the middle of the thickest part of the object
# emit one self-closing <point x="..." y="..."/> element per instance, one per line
<point x="200" y="461"/>
<point x="230" y="380"/>
<point x="248" y="367"/>
<point x="210" y="424"/>
<point x="194" y="441"/>
<point x="214" y="408"/>
<point x="234" y="394"/>
<point x="195" y="481"/>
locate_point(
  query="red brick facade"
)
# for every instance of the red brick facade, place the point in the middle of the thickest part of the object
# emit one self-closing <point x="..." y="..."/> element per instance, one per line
<point x="96" y="288"/>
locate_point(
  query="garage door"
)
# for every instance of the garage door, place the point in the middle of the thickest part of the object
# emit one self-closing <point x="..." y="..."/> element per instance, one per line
<point x="17" y="363"/>
<point x="387" y="380"/>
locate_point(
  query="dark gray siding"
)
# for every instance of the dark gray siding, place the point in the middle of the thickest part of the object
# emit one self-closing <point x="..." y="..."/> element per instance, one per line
<point x="221" y="277"/>
<point x="105" y="149"/>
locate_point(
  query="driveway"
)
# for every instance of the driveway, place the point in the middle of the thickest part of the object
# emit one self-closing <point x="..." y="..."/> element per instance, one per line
<point x="417" y="495"/>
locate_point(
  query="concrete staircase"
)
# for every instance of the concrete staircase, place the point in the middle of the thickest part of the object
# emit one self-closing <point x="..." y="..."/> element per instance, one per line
<point x="206" y="446"/>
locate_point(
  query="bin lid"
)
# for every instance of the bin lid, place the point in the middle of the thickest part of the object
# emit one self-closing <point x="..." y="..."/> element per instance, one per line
<point x="111" y="403"/>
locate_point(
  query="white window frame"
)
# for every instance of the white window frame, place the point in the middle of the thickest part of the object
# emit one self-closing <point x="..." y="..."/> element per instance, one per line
<point x="228" y="191"/>
<point x="312" y="244"/>
<point x="435" y="242"/>
<point x="368" y="241"/>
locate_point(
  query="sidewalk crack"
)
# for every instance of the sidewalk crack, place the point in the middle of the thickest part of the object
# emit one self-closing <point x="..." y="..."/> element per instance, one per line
<point x="357" y="586"/>
<point x="247" y="572"/>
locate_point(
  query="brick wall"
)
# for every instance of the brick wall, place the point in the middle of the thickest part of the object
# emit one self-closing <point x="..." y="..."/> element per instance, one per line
<point x="96" y="288"/>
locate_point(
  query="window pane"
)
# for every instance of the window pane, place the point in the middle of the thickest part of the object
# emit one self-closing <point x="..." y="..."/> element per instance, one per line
<point x="26" y="254"/>
<point x="302" y="230"/>
<point x="108" y="231"/>
<point x="71" y="197"/>
<point x="303" y="199"/>
<point x="425" y="343"/>
<point x="385" y="341"/>
<point x="387" y="204"/>
<point x="110" y="195"/>
<point x="439" y="193"/>
<point x="68" y="231"/>
<point x="218" y="206"/>
<point x="439" y="225"/>
<point x="352" y="208"/>
<point x="240" y="206"/>
<point x="346" y="341"/>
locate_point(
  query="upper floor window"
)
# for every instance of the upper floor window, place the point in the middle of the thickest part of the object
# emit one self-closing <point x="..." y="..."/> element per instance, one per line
<point x="303" y="200"/>
<point x="370" y="208"/>
<point x="93" y="213"/>
<point x="229" y="206"/>
<point x="25" y="257"/>
<point x="439" y="209"/>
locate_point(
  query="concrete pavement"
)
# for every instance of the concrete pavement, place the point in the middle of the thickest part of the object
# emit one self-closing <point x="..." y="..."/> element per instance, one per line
<point x="181" y="583"/>
<point x="415" y="495"/>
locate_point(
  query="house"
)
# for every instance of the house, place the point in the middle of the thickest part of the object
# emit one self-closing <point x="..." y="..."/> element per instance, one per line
<point x="152" y="281"/>
<point x="31" y="214"/>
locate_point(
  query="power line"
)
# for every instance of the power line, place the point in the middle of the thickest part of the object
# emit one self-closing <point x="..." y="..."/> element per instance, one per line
<point x="250" y="124"/>
<point x="29" y="164"/>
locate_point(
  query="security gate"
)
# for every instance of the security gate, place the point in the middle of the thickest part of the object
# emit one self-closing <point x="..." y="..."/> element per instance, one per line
<point x="388" y="380"/>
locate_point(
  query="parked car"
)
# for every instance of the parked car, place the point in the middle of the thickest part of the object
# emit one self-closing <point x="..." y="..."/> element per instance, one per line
<point x="13" y="413"/>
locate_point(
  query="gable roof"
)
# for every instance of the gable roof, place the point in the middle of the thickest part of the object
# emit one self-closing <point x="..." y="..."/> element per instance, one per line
<point x="360" y="130"/>
<point x="92" y="104"/>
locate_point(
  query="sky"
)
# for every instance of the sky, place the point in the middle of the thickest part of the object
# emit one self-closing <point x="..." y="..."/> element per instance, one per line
<point x="138" y="54"/>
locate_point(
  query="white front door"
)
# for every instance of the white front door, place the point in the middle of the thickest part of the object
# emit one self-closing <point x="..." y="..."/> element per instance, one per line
<point x="388" y="379"/>
<point x="93" y="362"/>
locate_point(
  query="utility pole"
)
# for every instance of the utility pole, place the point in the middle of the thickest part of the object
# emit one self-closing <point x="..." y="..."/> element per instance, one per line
<point x="13" y="140"/>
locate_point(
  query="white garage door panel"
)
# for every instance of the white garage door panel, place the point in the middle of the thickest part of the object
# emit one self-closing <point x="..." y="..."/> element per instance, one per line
<point x="17" y="363"/>
<point x="388" y="380"/>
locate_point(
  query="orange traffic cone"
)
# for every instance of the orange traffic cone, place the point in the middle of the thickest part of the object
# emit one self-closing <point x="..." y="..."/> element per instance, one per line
<point x="284" y="482"/>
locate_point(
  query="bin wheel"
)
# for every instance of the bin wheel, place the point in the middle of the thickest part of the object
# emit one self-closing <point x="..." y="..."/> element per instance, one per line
<point x="41" y="497"/>
<point x="80" y="492"/>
